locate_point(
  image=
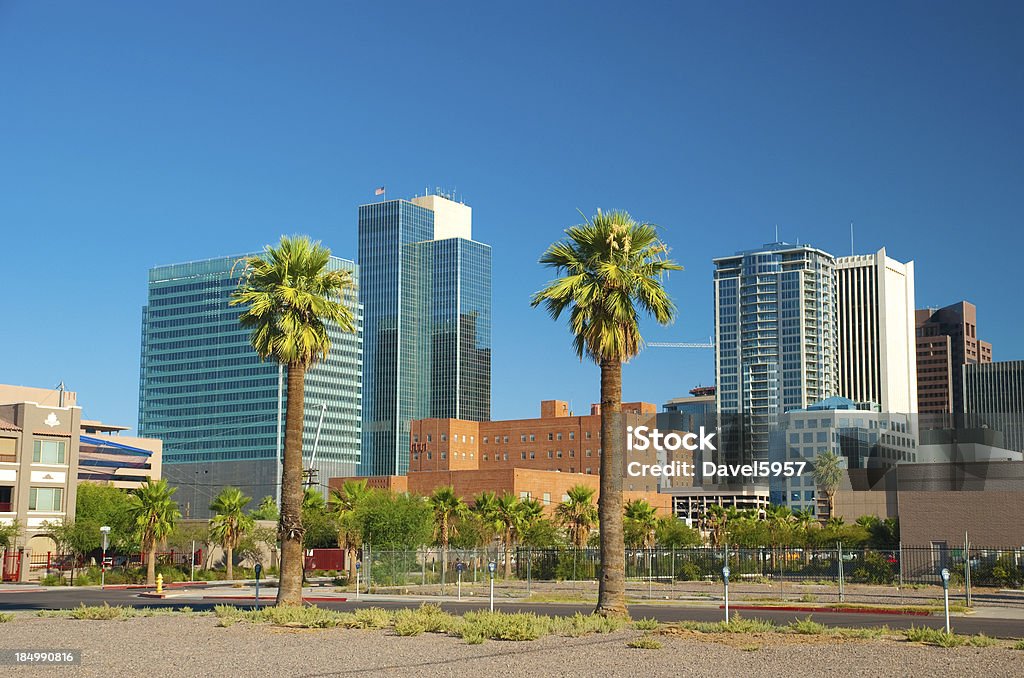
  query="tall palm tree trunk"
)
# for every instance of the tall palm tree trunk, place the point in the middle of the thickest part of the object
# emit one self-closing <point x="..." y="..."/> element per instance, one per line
<point x="290" y="529"/>
<point x="231" y="560"/>
<point x="611" y="596"/>
<point x="151" y="565"/>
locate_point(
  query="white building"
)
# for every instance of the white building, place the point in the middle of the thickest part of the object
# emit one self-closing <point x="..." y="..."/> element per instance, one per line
<point x="876" y="340"/>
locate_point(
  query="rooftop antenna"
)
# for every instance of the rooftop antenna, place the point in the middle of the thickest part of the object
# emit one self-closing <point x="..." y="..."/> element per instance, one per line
<point x="776" y="233"/>
<point x="60" y="400"/>
<point x="851" y="238"/>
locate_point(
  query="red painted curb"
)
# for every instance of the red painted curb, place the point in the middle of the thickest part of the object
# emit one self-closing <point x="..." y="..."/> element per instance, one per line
<point x="174" y="585"/>
<point x="860" y="610"/>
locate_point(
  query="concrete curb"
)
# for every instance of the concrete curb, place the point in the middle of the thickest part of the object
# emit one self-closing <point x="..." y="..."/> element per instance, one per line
<point x="855" y="610"/>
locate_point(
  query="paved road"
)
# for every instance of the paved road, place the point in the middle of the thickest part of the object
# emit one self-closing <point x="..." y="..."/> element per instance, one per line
<point x="59" y="598"/>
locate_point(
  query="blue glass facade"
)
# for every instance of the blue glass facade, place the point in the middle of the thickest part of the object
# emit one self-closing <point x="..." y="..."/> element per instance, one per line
<point x="206" y="394"/>
<point x="427" y="322"/>
<point x="775" y="334"/>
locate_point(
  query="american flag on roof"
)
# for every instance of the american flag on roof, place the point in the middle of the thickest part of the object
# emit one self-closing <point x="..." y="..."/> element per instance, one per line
<point x="379" y="191"/>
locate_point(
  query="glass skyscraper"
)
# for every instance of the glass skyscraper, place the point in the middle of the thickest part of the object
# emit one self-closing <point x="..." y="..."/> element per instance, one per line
<point x="426" y="294"/>
<point x="775" y="335"/>
<point x="206" y="394"/>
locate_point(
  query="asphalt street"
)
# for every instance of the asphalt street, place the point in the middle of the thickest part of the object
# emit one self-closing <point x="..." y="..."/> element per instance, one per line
<point x="59" y="598"/>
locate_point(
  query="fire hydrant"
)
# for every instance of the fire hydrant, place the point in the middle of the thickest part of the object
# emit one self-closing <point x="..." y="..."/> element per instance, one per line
<point x="159" y="583"/>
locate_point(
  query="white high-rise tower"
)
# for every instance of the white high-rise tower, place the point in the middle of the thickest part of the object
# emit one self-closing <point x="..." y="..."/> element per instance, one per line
<point x="877" y="348"/>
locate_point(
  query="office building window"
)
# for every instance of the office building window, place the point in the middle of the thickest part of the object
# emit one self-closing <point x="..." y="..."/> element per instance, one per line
<point x="45" y="498"/>
<point x="48" y="452"/>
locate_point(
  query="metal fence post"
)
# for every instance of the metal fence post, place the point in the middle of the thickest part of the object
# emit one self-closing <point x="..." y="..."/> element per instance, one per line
<point x="529" y="572"/>
<point x="967" y="568"/>
<point x="842" y="592"/>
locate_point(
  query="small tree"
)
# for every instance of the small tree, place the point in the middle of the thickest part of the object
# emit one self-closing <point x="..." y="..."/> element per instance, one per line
<point x="506" y="514"/>
<point x="828" y="472"/>
<point x="675" y="533"/>
<point x="230" y="522"/>
<point x="267" y="510"/>
<point x="578" y="514"/>
<point x="447" y="507"/>
<point x="343" y="503"/>
<point x="153" y="513"/>
<point x="641" y="522"/>
<point x="9" y="534"/>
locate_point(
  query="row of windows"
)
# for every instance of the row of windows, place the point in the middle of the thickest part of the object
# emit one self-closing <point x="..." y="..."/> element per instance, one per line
<point x="504" y="439"/>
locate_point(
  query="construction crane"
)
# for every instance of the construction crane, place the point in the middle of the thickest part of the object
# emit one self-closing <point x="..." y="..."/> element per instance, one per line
<point x="710" y="343"/>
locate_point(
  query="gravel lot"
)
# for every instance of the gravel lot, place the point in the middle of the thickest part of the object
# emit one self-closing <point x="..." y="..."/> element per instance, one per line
<point x="195" y="646"/>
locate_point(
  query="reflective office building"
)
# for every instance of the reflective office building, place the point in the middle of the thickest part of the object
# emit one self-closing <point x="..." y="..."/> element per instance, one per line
<point x="775" y="336"/>
<point x="206" y="394"/>
<point x="426" y="296"/>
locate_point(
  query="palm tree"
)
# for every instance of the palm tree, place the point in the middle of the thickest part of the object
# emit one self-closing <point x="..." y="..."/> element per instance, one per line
<point x="528" y="511"/>
<point x="611" y="268"/>
<point x="504" y="514"/>
<point x="289" y="297"/>
<point x="715" y="521"/>
<point x="828" y="471"/>
<point x="577" y="514"/>
<point x="153" y="514"/>
<point x="644" y="519"/>
<point x="344" y="503"/>
<point x="230" y="522"/>
<point x="446" y="506"/>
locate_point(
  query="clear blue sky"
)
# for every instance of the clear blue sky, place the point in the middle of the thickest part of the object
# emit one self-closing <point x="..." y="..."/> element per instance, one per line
<point x="137" y="134"/>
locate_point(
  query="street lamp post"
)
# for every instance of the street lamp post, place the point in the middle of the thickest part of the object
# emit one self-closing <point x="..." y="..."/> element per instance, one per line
<point x="105" y="531"/>
<point x="359" y="566"/>
<point x="945" y="594"/>
<point x="459" y="567"/>
<point x="725" y="578"/>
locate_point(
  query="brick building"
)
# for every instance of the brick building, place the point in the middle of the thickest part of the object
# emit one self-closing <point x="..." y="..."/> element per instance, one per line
<point x="541" y="457"/>
<point x="947" y="339"/>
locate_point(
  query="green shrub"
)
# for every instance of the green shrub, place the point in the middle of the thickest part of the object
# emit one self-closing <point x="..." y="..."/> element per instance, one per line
<point x="371" y="618"/>
<point x="930" y="636"/>
<point x="981" y="640"/>
<point x="689" y="571"/>
<point x="309" y="617"/>
<point x="582" y="625"/>
<point x="808" y="627"/>
<point x="645" y="643"/>
<point x="504" y="626"/>
<point x="6" y="617"/>
<point x="99" y="612"/>
<point x="863" y="633"/>
<point x="1019" y="645"/>
<point x="52" y="580"/>
<point x="409" y="623"/>
<point x="740" y="625"/>
<point x="645" y="624"/>
<point x="874" y="568"/>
